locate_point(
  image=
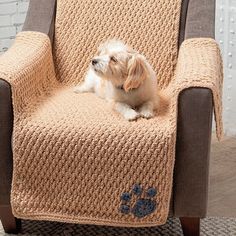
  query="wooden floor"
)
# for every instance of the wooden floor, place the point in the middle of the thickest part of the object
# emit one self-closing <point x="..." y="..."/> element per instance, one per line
<point x="222" y="192"/>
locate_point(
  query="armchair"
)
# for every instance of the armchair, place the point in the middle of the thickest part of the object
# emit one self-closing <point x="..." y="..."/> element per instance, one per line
<point x="194" y="121"/>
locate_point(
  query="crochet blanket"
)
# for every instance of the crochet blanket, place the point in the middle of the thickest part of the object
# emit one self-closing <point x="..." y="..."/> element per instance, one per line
<point x="74" y="159"/>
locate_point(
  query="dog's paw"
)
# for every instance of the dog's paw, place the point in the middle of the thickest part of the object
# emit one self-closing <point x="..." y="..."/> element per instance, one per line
<point x="142" y="206"/>
<point x="78" y="89"/>
<point x="131" y="115"/>
<point x="146" y="114"/>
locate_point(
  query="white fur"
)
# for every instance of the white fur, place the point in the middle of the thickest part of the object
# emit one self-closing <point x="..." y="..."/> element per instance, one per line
<point x="138" y="102"/>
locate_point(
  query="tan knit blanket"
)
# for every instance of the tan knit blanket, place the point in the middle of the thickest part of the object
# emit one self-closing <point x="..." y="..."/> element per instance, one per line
<point x="75" y="160"/>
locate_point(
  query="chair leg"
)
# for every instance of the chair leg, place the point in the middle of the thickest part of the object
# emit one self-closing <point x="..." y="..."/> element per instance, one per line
<point x="190" y="226"/>
<point x="9" y="222"/>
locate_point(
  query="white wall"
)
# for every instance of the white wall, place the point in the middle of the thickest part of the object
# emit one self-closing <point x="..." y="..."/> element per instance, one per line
<point x="12" y="15"/>
<point x="226" y="36"/>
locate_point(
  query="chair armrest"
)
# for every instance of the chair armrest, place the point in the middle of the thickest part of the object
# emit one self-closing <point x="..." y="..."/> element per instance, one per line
<point x="193" y="142"/>
<point x="41" y="17"/>
<point x="6" y="127"/>
<point x="199" y="81"/>
<point x="28" y="67"/>
<point x="195" y="109"/>
<point x="200" y="65"/>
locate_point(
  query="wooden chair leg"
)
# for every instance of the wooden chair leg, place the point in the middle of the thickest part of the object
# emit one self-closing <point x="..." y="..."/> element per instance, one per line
<point x="190" y="226"/>
<point x="9" y="222"/>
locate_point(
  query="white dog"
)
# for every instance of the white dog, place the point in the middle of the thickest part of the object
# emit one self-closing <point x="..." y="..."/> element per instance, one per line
<point x="121" y="75"/>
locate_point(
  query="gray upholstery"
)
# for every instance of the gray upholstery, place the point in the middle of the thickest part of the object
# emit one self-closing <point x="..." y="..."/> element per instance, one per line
<point x="6" y="126"/>
<point x="41" y="17"/>
<point x="200" y="19"/>
<point x="183" y="18"/>
<point x="190" y="188"/>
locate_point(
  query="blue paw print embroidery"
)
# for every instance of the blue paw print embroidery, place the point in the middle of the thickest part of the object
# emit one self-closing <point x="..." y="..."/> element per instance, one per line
<point x="143" y="206"/>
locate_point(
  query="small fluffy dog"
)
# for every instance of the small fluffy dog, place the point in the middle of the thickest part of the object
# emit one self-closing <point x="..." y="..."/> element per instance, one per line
<point x="121" y="75"/>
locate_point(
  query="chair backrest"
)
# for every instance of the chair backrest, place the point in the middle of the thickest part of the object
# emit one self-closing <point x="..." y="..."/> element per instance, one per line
<point x="149" y="26"/>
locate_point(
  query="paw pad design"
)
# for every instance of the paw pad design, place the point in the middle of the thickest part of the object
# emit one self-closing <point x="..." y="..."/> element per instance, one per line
<point x="125" y="209"/>
<point x="151" y="192"/>
<point x="143" y="206"/>
<point x="137" y="189"/>
<point x="126" y="197"/>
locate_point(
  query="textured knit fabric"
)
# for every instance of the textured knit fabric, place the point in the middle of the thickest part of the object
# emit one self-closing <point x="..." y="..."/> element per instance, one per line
<point x="151" y="27"/>
<point x="74" y="156"/>
<point x="75" y="159"/>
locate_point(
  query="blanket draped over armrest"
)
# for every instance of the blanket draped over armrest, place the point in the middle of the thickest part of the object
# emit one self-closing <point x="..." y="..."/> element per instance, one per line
<point x="76" y="160"/>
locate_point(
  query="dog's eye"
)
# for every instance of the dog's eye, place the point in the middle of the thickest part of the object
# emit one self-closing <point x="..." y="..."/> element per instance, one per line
<point x="113" y="59"/>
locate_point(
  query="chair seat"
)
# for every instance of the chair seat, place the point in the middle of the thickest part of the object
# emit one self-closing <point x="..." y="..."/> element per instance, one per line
<point x="85" y="156"/>
<point x="86" y="115"/>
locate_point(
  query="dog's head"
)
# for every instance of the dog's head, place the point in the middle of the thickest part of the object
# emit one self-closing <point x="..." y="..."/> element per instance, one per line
<point x="120" y="64"/>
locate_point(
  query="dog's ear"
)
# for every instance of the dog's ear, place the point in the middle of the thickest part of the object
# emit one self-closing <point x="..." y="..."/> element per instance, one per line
<point x="137" y="72"/>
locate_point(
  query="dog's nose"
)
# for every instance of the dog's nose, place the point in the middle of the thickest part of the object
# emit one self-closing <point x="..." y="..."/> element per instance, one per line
<point x="94" y="62"/>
